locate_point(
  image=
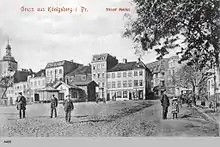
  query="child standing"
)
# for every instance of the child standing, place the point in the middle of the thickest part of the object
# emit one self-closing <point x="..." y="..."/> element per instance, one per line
<point x="175" y="107"/>
<point x="68" y="107"/>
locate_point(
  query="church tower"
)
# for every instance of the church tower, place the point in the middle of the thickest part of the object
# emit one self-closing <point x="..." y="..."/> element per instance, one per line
<point x="8" y="63"/>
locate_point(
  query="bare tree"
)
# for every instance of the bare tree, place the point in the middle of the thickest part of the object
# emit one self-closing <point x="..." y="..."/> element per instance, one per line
<point x="6" y="81"/>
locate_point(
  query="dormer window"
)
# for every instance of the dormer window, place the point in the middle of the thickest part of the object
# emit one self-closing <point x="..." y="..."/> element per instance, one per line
<point x="83" y="77"/>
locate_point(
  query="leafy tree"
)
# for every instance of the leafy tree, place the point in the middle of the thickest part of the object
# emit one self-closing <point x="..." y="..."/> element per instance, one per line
<point x="192" y="77"/>
<point x="160" y="23"/>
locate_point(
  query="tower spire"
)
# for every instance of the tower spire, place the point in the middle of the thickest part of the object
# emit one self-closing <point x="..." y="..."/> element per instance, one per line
<point x="8" y="49"/>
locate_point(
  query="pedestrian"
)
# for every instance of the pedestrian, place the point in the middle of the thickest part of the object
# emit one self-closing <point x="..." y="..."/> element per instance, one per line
<point x="165" y="104"/>
<point x="21" y="104"/>
<point x="175" y="107"/>
<point x="68" y="108"/>
<point x="53" y="105"/>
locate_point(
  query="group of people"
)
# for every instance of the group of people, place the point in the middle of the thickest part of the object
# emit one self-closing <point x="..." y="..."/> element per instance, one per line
<point x="68" y="106"/>
<point x="165" y="102"/>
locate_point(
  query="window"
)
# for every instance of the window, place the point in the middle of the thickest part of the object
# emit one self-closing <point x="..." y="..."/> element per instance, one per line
<point x="119" y="94"/>
<point x="24" y="86"/>
<point x="31" y="83"/>
<point x="35" y="83"/>
<point x="113" y="84"/>
<point x="135" y="83"/>
<point x="51" y="73"/>
<point x="108" y="75"/>
<point x="113" y="75"/>
<point x="103" y="75"/>
<point x="124" y="74"/>
<point x="94" y="75"/>
<point x="119" y="84"/>
<point x="140" y="73"/>
<point x="60" y="71"/>
<point x="118" y="74"/>
<point x="56" y="71"/>
<point x="102" y="65"/>
<point x="109" y="85"/>
<point x="130" y="83"/>
<point x="98" y="75"/>
<point x="129" y="74"/>
<point x="99" y="84"/>
<point x="124" y="83"/>
<point x="135" y="73"/>
<point x="125" y="94"/>
<point x="141" y="82"/>
<point x="103" y="84"/>
<point x="83" y="77"/>
<point x="162" y="83"/>
<point x="98" y="66"/>
<point x="39" y="82"/>
<point x="93" y="67"/>
<point x="48" y="73"/>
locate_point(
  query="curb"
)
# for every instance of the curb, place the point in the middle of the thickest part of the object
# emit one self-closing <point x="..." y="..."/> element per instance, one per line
<point x="206" y="116"/>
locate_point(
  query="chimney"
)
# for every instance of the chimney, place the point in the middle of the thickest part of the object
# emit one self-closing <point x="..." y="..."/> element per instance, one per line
<point x="125" y="60"/>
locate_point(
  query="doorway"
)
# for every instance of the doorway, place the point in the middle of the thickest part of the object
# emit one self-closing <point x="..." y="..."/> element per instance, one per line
<point x="36" y="97"/>
<point x="140" y="94"/>
<point x="130" y="96"/>
<point x="61" y="96"/>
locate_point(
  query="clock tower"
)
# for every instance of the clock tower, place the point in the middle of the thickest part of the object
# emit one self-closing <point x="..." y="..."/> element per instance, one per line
<point x="8" y="63"/>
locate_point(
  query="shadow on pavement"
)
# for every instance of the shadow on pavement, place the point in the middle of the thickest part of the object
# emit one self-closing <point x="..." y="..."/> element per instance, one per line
<point x="81" y="116"/>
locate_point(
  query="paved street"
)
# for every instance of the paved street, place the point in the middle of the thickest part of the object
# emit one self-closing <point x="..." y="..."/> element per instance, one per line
<point x="126" y="118"/>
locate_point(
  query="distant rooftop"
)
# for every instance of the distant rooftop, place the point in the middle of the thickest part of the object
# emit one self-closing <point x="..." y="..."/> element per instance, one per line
<point x="81" y="70"/>
<point x="59" y="63"/>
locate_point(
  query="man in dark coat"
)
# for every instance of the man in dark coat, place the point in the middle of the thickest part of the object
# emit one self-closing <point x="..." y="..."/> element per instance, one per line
<point x="54" y="104"/>
<point x="21" y="104"/>
<point x="68" y="107"/>
<point x="165" y="104"/>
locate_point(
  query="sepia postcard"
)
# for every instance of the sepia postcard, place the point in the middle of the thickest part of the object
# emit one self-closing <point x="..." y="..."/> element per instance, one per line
<point x="109" y="68"/>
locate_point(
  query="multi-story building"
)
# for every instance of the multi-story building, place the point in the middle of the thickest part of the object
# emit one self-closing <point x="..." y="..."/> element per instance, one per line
<point x="159" y="71"/>
<point x="56" y="71"/>
<point x="36" y="82"/>
<point x="128" y="80"/>
<point x="173" y="67"/>
<point x="8" y="63"/>
<point x="82" y="78"/>
<point x="20" y="85"/>
<point x="100" y="65"/>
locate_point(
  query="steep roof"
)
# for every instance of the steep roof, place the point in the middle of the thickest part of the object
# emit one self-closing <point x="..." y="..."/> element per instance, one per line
<point x="39" y="73"/>
<point x="81" y="70"/>
<point x="59" y="63"/>
<point x="157" y="66"/>
<point x="21" y="76"/>
<point x="102" y="57"/>
<point x="61" y="82"/>
<point x="126" y="66"/>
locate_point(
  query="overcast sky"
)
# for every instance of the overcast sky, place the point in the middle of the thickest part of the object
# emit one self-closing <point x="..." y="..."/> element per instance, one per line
<point x="41" y="37"/>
